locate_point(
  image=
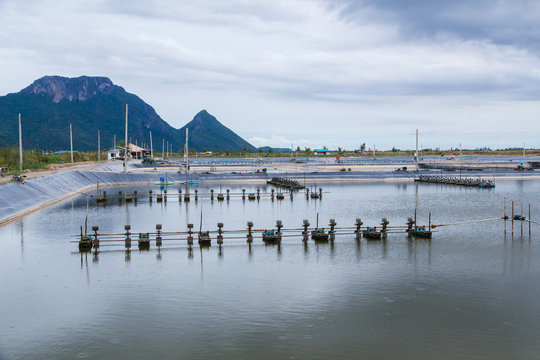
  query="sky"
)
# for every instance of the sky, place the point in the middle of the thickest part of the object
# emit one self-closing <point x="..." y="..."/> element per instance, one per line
<point x="334" y="73"/>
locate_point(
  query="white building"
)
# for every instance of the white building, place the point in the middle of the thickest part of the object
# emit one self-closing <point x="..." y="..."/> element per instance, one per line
<point x="114" y="153"/>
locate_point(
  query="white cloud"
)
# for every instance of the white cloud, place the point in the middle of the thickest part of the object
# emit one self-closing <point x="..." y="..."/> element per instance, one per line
<point x="293" y="68"/>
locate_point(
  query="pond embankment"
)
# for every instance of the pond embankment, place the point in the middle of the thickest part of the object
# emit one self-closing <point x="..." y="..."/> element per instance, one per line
<point x="18" y="199"/>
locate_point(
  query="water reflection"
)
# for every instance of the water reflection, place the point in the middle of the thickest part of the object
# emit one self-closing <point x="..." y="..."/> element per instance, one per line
<point x="348" y="298"/>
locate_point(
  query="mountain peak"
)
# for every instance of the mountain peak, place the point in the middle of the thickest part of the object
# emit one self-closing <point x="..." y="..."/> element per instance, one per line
<point x="95" y="104"/>
<point x="71" y="89"/>
<point x="206" y="132"/>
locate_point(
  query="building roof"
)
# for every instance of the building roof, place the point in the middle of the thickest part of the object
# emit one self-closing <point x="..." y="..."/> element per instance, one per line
<point x="135" y="148"/>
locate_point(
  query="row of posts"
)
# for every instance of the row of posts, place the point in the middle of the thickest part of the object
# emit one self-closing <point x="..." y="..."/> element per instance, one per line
<point x="314" y="192"/>
<point x="162" y="197"/>
<point x="144" y="238"/>
<point x="517" y="217"/>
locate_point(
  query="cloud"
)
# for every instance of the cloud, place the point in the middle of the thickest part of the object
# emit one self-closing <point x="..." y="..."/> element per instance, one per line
<point x="504" y="22"/>
<point x="338" y="70"/>
<point x="274" y="141"/>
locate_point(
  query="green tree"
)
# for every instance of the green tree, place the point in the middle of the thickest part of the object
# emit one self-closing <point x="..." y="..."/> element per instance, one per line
<point x="363" y="147"/>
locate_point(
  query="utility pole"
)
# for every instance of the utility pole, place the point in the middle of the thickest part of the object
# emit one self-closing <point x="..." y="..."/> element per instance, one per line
<point x="126" y="142"/>
<point x="71" y="141"/>
<point x="186" y="158"/>
<point x="460" y="160"/>
<point x="98" y="147"/>
<point x="167" y="149"/>
<point x="186" y="153"/>
<point x="163" y="149"/>
<point x="416" y="157"/>
<point x="20" y="144"/>
<point x="114" y="141"/>
<point x="151" y="147"/>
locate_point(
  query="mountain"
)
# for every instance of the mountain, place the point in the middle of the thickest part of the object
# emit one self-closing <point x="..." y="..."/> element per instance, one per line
<point x="206" y="132"/>
<point x="90" y="104"/>
<point x="274" y="149"/>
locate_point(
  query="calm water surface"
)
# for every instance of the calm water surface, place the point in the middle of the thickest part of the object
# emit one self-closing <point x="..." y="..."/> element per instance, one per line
<point x="469" y="293"/>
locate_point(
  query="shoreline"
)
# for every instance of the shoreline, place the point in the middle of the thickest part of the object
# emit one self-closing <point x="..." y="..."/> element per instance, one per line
<point x="20" y="199"/>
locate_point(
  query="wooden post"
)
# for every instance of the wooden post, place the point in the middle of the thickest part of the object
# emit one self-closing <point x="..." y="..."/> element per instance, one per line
<point x="521" y="222"/>
<point x="151" y="146"/>
<point x="158" y="236"/>
<point x="71" y="142"/>
<point x="505" y="217"/>
<point x="512" y="217"/>
<point x="529" y="221"/>
<point x="249" y="235"/>
<point x="416" y="157"/>
<point x="126" y="142"/>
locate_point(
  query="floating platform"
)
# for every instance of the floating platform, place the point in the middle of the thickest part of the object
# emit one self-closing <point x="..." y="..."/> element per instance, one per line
<point x="285" y="183"/>
<point x="319" y="235"/>
<point x="421" y="232"/>
<point x="448" y="180"/>
<point x="271" y="236"/>
<point x="204" y="238"/>
<point x="371" y="233"/>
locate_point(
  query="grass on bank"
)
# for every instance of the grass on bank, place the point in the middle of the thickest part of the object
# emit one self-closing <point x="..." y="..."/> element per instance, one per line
<point x="35" y="159"/>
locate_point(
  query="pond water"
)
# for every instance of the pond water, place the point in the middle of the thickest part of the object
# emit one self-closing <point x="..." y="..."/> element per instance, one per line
<point x="471" y="292"/>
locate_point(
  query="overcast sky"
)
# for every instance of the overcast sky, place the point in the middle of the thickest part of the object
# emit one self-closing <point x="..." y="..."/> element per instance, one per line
<point x="311" y="73"/>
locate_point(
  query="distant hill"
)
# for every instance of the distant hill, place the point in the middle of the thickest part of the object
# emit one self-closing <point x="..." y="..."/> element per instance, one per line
<point x="206" y="132"/>
<point x="274" y="149"/>
<point x="51" y="103"/>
